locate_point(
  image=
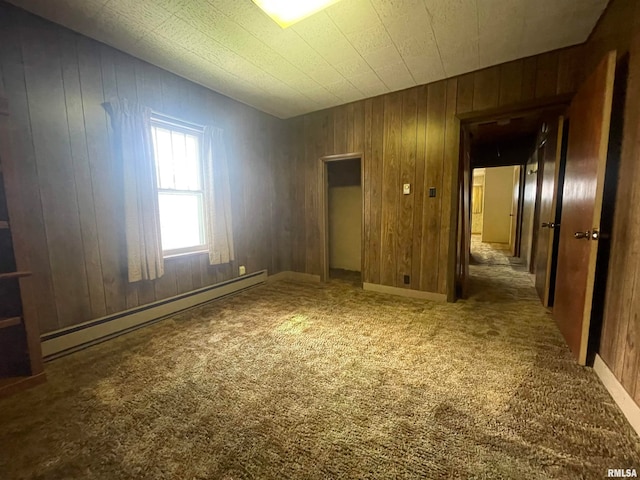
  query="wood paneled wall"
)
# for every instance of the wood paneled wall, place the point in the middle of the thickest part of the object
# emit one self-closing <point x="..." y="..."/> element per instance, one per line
<point x="620" y="337"/>
<point x="56" y="81"/>
<point x="529" y="225"/>
<point x="412" y="137"/>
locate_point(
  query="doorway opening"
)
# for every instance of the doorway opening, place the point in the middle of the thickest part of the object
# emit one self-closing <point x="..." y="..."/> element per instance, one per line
<point x="508" y="176"/>
<point x="494" y="207"/>
<point x="343" y="215"/>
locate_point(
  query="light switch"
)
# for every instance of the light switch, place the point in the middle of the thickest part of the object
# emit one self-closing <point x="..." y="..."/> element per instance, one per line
<point x="406" y="188"/>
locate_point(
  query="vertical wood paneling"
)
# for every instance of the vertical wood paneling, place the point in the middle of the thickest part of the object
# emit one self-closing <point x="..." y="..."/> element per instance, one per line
<point x="82" y="173"/>
<point x="465" y="93"/>
<point x="407" y="175"/>
<point x="569" y="70"/>
<point x="50" y="136"/>
<point x="547" y="75"/>
<point x="184" y="278"/>
<point x="510" y="82"/>
<point x="529" y="75"/>
<point x="298" y="141"/>
<point x="340" y="129"/>
<point x="391" y="187"/>
<point x="72" y="179"/>
<point x="358" y="127"/>
<point x="436" y="108"/>
<point x="22" y="148"/>
<point x="419" y="189"/>
<point x="446" y="261"/>
<point x="486" y="88"/>
<point x="350" y="128"/>
<point x="312" y="153"/>
<point x="375" y="188"/>
<point x="366" y="176"/>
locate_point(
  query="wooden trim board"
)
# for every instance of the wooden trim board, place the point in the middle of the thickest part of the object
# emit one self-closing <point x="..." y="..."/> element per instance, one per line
<point x="405" y="292"/>
<point x="70" y="339"/>
<point x="629" y="407"/>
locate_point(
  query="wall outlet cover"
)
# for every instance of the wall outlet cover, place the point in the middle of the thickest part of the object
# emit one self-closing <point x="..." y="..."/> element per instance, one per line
<point x="406" y="188"/>
<point x="242" y="270"/>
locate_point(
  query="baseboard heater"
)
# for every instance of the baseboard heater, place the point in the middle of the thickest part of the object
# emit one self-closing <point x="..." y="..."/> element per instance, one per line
<point x="70" y="339"/>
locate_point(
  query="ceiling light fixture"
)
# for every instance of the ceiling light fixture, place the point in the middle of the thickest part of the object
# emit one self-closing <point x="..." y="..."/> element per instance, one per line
<point x="287" y="12"/>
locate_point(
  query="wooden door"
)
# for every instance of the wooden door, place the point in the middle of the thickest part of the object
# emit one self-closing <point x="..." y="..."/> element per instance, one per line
<point x="550" y="169"/>
<point x="464" y="214"/>
<point x="515" y="202"/>
<point x="590" y="114"/>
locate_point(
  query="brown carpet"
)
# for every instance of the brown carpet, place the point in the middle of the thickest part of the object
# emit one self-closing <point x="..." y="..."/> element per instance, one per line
<point x="309" y="381"/>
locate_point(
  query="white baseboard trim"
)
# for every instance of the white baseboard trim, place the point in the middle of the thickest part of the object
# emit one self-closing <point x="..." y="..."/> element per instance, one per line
<point x="405" y="292"/>
<point x="294" y="276"/>
<point x="629" y="407"/>
<point x="67" y="340"/>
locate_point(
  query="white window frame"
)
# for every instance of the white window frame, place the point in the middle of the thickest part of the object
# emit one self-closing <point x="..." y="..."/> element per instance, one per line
<point x="172" y="124"/>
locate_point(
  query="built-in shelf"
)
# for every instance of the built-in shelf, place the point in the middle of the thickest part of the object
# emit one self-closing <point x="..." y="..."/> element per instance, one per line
<point x="10" y="322"/>
<point x="9" y="275"/>
<point x="20" y="353"/>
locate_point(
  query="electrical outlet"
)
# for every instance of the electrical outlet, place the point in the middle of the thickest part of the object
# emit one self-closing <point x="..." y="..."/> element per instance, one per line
<point x="432" y="192"/>
<point x="406" y="188"/>
<point x="407" y="279"/>
<point x="242" y="270"/>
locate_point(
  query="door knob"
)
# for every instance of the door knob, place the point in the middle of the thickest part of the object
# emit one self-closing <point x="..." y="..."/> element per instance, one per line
<point x="597" y="235"/>
<point x="581" y="235"/>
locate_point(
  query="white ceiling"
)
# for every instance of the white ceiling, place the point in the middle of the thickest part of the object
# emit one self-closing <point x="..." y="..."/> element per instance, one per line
<point x="352" y="50"/>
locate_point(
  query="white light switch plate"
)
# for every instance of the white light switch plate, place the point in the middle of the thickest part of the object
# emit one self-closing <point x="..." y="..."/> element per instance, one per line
<point x="406" y="188"/>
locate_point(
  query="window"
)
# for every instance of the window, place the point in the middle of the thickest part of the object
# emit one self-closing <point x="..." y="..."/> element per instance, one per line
<point x="180" y="187"/>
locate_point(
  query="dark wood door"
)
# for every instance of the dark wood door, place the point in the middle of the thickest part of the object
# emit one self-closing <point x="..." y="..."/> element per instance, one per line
<point x="590" y="114"/>
<point x="549" y="171"/>
<point x="515" y="203"/>
<point x="464" y="214"/>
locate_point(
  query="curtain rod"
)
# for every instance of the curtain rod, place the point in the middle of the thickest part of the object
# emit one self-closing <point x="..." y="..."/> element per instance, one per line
<point x="178" y="120"/>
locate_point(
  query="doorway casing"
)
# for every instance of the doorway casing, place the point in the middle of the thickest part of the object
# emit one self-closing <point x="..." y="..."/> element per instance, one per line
<point x="324" y="214"/>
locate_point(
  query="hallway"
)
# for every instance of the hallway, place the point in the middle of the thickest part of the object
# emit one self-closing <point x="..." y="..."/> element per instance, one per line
<point x="496" y="276"/>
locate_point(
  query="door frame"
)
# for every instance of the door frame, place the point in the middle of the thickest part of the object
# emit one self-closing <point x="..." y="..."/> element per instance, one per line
<point x="324" y="210"/>
<point x="493" y="114"/>
<point x="552" y="244"/>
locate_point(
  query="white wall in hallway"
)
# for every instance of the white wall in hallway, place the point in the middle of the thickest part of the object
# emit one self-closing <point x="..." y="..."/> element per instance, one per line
<point x="345" y="220"/>
<point x="498" y="192"/>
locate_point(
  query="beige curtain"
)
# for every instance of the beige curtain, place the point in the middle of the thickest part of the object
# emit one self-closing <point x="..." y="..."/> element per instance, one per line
<point x="132" y="126"/>
<point x="217" y="197"/>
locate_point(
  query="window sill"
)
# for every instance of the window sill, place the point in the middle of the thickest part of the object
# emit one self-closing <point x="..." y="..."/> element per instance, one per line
<point x="185" y="254"/>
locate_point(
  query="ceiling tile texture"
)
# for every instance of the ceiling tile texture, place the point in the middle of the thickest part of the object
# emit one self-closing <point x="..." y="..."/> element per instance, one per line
<point x="352" y="50"/>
